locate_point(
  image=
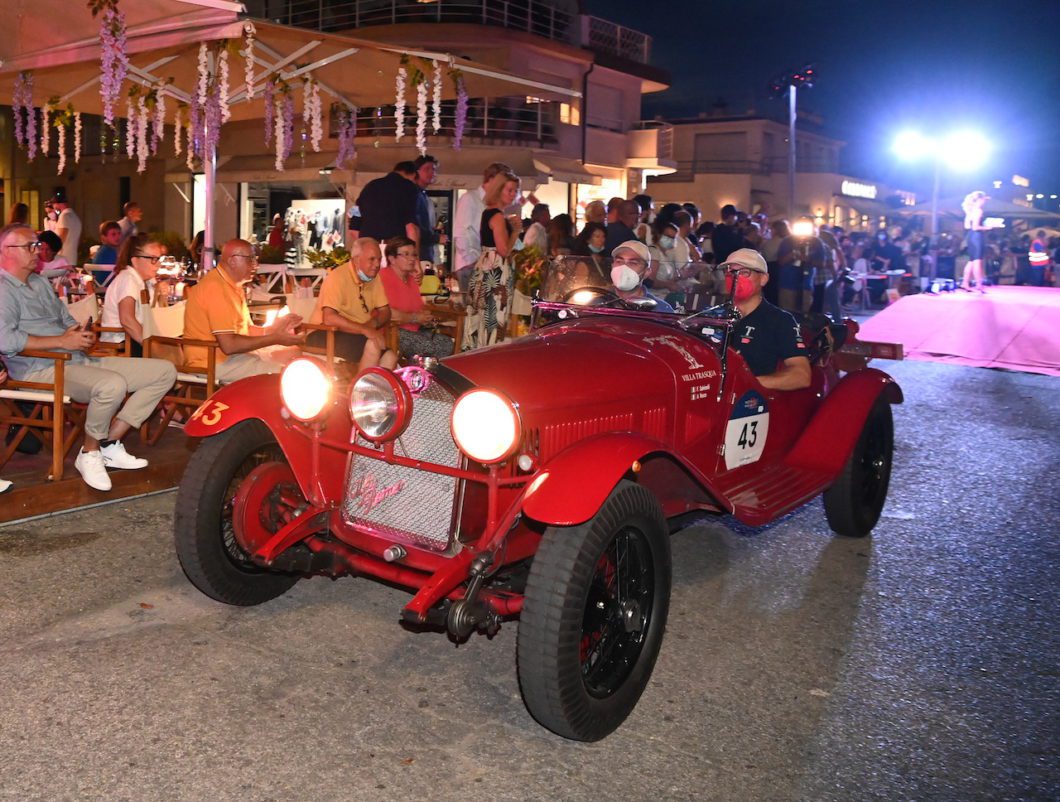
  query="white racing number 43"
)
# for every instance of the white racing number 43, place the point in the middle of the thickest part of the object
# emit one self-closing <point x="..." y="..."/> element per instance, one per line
<point x="746" y="431"/>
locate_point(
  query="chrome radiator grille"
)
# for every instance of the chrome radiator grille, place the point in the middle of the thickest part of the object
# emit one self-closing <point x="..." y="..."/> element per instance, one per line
<point x="403" y="503"/>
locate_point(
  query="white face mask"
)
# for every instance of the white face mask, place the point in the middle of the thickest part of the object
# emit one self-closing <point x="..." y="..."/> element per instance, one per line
<point x="625" y="277"/>
<point x="666" y="243"/>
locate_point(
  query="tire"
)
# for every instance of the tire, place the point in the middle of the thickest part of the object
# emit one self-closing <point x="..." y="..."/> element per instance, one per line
<point x="853" y="503"/>
<point x="203" y="534"/>
<point x="581" y="668"/>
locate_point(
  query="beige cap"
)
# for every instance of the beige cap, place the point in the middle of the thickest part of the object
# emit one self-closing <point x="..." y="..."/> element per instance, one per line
<point x="637" y="247"/>
<point x="747" y="257"/>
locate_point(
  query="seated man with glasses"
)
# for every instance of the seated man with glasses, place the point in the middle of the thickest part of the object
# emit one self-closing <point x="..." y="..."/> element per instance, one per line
<point x="353" y="300"/>
<point x="630" y="263"/>
<point x="765" y="336"/>
<point x="33" y="318"/>
<point x="217" y="311"/>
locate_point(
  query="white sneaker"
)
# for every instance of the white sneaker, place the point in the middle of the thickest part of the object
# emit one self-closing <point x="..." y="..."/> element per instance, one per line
<point x="5" y="485"/>
<point x="115" y="456"/>
<point x="90" y="465"/>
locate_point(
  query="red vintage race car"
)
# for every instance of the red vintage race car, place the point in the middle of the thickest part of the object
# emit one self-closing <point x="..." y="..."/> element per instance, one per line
<point x="532" y="480"/>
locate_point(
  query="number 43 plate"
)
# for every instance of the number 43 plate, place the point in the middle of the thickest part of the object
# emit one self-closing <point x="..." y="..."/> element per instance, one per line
<point x="746" y="431"/>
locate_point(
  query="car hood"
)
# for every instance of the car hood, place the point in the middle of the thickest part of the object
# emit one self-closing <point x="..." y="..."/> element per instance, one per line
<point x="594" y="362"/>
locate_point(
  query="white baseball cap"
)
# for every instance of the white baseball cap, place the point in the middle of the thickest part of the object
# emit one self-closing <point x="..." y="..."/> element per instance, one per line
<point x="637" y="247"/>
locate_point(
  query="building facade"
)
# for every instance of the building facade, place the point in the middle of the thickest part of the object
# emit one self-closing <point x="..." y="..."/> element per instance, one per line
<point x="744" y="161"/>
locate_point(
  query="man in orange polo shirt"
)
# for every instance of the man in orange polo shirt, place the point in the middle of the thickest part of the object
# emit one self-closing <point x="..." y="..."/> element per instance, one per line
<point x="217" y="311"/>
<point x="353" y="301"/>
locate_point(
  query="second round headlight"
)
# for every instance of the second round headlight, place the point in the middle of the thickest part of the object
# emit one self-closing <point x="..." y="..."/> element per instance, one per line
<point x="380" y="405"/>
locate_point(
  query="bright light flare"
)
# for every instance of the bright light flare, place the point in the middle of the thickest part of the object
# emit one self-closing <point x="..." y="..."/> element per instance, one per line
<point x="485" y="425"/>
<point x="803" y="228"/>
<point x="912" y="145"/>
<point x="305" y="388"/>
<point x="965" y="150"/>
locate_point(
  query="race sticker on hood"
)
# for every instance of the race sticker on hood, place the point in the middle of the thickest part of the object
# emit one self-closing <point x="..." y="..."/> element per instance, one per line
<point x="746" y="432"/>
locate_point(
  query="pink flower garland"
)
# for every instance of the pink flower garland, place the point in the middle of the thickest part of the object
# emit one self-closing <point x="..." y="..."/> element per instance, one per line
<point x="461" y="112"/>
<point x="270" y="110"/>
<point x="347" y="119"/>
<point x="22" y="103"/>
<point x="114" y="62"/>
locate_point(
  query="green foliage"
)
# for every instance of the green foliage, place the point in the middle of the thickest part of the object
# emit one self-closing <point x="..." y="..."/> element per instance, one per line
<point x="328" y="259"/>
<point x="529" y="264"/>
<point x="270" y="255"/>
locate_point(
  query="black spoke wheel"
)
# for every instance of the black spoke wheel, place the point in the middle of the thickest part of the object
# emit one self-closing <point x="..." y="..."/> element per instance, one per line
<point x="205" y="535"/>
<point x="854" y="502"/>
<point x="594" y="614"/>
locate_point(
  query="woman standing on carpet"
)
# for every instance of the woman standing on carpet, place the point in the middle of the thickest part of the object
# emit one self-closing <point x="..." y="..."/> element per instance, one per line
<point x="973" y="224"/>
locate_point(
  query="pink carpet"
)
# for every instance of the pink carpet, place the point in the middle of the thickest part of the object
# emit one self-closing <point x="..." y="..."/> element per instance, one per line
<point x="1017" y="328"/>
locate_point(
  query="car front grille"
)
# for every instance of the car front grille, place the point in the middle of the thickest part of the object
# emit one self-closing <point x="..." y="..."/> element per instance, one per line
<point x="407" y="504"/>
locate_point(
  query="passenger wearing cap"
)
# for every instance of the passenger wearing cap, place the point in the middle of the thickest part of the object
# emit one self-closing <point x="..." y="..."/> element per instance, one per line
<point x="765" y="336"/>
<point x="630" y="262"/>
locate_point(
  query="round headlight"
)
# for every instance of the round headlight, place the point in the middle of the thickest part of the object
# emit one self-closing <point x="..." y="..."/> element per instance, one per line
<point x="380" y="405"/>
<point x="305" y="388"/>
<point x="485" y="425"/>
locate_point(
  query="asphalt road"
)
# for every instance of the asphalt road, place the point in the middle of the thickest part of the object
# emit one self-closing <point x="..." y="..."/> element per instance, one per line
<point x="920" y="663"/>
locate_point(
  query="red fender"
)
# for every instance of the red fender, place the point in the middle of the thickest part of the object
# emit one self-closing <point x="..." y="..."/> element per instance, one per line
<point x="830" y="437"/>
<point x="578" y="480"/>
<point x="258" y="398"/>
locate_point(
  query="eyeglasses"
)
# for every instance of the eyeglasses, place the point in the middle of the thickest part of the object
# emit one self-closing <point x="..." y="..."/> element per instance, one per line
<point x="29" y="246"/>
<point x="742" y="272"/>
<point x="152" y="259"/>
<point x="250" y="257"/>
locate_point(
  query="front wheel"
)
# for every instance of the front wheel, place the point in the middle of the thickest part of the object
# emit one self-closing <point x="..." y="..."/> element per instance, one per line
<point x="853" y="503"/>
<point x="227" y="476"/>
<point x="594" y="614"/>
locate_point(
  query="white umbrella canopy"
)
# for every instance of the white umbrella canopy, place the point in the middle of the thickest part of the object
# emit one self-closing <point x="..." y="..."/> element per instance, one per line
<point x="994" y="207"/>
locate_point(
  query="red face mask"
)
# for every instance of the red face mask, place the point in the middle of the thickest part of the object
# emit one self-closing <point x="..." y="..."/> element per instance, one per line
<point x="745" y="289"/>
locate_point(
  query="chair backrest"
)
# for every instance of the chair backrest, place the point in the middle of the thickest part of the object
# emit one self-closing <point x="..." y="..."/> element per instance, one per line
<point x="275" y="277"/>
<point x="85" y="309"/>
<point x="303" y="307"/>
<point x="164" y="321"/>
<point x="104" y="272"/>
<point x="314" y="274"/>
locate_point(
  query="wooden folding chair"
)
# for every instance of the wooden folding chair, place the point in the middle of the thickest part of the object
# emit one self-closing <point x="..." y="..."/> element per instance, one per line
<point x="53" y="414"/>
<point x="275" y="278"/>
<point x="163" y="339"/>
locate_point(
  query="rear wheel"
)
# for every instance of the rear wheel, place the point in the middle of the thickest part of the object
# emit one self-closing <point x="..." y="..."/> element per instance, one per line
<point x="854" y="502"/>
<point x="595" y="611"/>
<point x="236" y="491"/>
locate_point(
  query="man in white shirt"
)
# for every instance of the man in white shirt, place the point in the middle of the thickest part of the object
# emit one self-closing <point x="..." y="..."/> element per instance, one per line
<point x="536" y="235"/>
<point x="467" y="238"/>
<point x="68" y="227"/>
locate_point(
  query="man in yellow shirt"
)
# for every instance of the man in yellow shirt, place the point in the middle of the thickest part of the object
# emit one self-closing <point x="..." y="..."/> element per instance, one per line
<point x="353" y="301"/>
<point x="217" y="311"/>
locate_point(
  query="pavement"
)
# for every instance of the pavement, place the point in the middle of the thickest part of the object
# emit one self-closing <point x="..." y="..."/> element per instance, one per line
<point x="919" y="663"/>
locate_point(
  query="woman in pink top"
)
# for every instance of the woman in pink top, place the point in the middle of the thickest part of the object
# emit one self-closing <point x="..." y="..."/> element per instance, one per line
<point x="401" y="282"/>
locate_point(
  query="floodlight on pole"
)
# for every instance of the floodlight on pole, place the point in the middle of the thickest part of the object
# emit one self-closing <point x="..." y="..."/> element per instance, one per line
<point x="785" y="86"/>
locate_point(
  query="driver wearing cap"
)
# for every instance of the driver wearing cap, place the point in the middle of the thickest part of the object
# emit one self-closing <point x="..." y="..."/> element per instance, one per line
<point x="630" y="263"/>
<point x="765" y="335"/>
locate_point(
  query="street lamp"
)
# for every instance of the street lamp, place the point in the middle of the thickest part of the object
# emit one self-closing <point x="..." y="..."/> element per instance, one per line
<point x="960" y="151"/>
<point x="786" y="85"/>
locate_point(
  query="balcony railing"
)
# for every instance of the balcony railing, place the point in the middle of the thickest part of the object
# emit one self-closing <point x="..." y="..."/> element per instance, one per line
<point x="537" y="17"/>
<point x="488" y="120"/>
<point x="604" y="36"/>
<point x="687" y="169"/>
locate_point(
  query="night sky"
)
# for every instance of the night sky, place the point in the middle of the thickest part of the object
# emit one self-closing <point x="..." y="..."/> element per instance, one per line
<point x="934" y="65"/>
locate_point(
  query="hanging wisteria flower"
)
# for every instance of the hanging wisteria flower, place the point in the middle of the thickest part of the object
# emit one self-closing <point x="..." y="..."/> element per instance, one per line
<point x="436" y="85"/>
<point x="222" y="83"/>
<point x="158" y="124"/>
<point x="190" y="145"/>
<point x="270" y="110"/>
<point x="77" y="138"/>
<point x="31" y="133"/>
<point x="399" y="102"/>
<point x="347" y="119"/>
<point x="312" y="111"/>
<point x="22" y="104"/>
<point x="45" y="130"/>
<point x="195" y="125"/>
<point x="288" y="124"/>
<point x="60" y="125"/>
<point x="421" y="115"/>
<point x="130" y="128"/>
<point x="280" y="144"/>
<point x="248" y="65"/>
<point x="178" y="123"/>
<point x="142" y="145"/>
<point x="114" y="61"/>
<point x="461" y="111"/>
